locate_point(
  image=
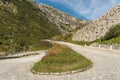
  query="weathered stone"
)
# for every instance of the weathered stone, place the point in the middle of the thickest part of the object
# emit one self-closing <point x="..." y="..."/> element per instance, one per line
<point x="98" y="28"/>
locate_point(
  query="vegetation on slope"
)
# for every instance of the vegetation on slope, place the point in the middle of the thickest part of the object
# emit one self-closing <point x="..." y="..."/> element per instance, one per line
<point x="112" y="33"/>
<point x="60" y="59"/>
<point x="22" y="25"/>
<point x="112" y="36"/>
<point x="112" y="41"/>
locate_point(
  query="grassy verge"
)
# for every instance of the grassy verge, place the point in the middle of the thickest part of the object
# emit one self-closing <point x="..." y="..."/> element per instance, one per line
<point x="61" y="59"/>
<point x="112" y="41"/>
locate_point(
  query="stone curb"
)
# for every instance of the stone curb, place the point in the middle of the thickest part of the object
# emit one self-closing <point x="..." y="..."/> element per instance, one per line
<point x="11" y="57"/>
<point x="61" y="73"/>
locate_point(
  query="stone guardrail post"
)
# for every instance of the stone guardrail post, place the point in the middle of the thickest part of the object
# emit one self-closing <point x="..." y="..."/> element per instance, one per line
<point x="85" y="45"/>
<point x="111" y="47"/>
<point x="107" y="46"/>
<point x="99" y="46"/>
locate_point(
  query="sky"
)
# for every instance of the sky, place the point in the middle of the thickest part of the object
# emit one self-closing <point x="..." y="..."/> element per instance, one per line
<point x="83" y="9"/>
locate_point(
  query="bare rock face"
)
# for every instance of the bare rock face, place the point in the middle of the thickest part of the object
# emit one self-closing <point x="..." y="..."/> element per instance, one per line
<point x="98" y="28"/>
<point x="63" y="21"/>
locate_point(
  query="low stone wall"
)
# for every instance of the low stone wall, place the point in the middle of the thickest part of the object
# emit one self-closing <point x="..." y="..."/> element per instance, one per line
<point x="62" y="73"/>
<point x="107" y="46"/>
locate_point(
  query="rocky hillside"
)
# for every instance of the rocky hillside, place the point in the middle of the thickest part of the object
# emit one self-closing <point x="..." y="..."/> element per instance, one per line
<point x="63" y="21"/>
<point x="22" y="25"/>
<point x="98" y="28"/>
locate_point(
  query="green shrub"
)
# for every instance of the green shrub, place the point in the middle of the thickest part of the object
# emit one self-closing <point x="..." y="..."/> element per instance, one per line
<point x="112" y="33"/>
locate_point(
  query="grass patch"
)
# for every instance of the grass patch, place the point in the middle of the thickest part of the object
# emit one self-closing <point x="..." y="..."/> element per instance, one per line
<point x="61" y="59"/>
<point x="42" y="45"/>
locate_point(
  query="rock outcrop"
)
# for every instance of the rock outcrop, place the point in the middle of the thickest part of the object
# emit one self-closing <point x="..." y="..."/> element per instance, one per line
<point x="98" y="28"/>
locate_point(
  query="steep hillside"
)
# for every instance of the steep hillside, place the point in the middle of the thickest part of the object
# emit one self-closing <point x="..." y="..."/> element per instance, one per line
<point x="63" y="21"/>
<point x="22" y="25"/>
<point x="98" y="28"/>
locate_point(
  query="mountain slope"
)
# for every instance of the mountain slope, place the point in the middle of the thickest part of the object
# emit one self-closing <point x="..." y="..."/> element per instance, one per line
<point x="63" y="21"/>
<point x="22" y="25"/>
<point x="98" y="28"/>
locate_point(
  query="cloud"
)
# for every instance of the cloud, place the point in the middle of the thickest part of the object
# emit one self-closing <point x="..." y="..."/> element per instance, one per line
<point x="91" y="9"/>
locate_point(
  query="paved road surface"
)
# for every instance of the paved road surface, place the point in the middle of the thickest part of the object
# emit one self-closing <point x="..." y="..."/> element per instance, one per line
<point x="106" y="66"/>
